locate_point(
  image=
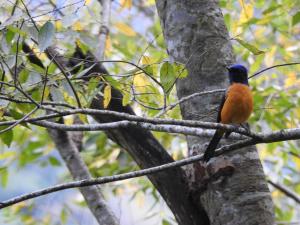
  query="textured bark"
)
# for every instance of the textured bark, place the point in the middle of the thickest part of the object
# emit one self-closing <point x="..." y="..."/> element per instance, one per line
<point x="148" y="152"/>
<point x="195" y="34"/>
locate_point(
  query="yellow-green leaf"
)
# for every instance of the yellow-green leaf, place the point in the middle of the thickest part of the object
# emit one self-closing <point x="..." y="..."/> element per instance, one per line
<point x="3" y="176"/>
<point x="250" y="47"/>
<point x="46" y="35"/>
<point x="296" y="18"/>
<point x="106" y="96"/>
<point x="167" y="76"/>
<point x="126" y="98"/>
<point x="146" y="60"/>
<point x="83" y="118"/>
<point x="7" y="136"/>
<point x="125" y="29"/>
<point x="181" y="71"/>
<point x="126" y="4"/>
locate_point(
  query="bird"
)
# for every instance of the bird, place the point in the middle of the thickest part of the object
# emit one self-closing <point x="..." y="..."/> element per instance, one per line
<point x="235" y="108"/>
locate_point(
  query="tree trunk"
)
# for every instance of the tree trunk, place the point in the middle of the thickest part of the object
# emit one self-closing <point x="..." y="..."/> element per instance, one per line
<point x="147" y="152"/>
<point x="195" y="35"/>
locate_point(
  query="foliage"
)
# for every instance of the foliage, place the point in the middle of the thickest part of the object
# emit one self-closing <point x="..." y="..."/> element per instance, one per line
<point x="262" y="35"/>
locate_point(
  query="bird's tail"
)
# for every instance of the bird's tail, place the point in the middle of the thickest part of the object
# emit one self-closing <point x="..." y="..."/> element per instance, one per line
<point x="210" y="150"/>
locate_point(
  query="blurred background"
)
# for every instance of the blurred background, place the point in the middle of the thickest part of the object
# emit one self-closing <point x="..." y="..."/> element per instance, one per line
<point x="263" y="33"/>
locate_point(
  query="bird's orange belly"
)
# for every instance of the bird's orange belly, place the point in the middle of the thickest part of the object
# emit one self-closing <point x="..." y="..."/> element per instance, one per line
<point x="238" y="105"/>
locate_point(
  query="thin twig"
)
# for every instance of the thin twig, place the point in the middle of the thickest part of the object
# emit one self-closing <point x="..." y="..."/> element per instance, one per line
<point x="19" y="121"/>
<point x="20" y="90"/>
<point x="286" y="191"/>
<point x="3" y="75"/>
<point x="16" y="57"/>
<point x="271" y="67"/>
<point x="30" y="102"/>
<point x="186" y="98"/>
<point x="45" y="84"/>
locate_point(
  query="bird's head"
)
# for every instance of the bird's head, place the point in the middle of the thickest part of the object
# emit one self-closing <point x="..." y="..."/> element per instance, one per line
<point x="238" y="74"/>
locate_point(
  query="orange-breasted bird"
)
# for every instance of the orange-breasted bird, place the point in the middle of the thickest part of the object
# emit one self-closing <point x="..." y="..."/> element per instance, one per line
<point x="236" y="106"/>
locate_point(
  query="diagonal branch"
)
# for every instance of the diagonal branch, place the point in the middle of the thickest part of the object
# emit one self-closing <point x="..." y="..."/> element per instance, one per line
<point x="134" y="174"/>
<point x="286" y="191"/>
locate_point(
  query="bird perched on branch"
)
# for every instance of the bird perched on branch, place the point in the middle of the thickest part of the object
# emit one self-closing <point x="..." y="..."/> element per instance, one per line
<point x="236" y="106"/>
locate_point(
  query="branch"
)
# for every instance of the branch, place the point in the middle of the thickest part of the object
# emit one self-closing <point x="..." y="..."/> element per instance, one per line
<point x="186" y="98"/>
<point x="148" y="171"/>
<point x="19" y="121"/>
<point x="127" y="124"/>
<point x="286" y="191"/>
<point x="271" y="67"/>
<point x="125" y="116"/>
<point x="147" y="152"/>
<point x="104" y="29"/>
<point x="100" y="180"/>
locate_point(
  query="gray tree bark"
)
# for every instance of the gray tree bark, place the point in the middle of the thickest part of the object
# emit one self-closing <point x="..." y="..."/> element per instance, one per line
<point x="146" y="152"/>
<point x="196" y="35"/>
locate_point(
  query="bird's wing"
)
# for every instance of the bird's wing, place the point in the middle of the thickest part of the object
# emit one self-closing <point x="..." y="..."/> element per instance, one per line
<point x="221" y="106"/>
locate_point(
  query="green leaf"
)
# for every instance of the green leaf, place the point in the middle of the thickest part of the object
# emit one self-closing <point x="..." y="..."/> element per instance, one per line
<point x="7" y="136"/>
<point x="167" y="77"/>
<point x="16" y="30"/>
<point x="46" y="35"/>
<point x="149" y="70"/>
<point x="15" y="114"/>
<point x="4" y="176"/>
<point x="227" y="19"/>
<point x="180" y="70"/>
<point x="63" y="216"/>
<point x="271" y="9"/>
<point x="169" y="73"/>
<point x="9" y="35"/>
<point x="83" y="72"/>
<point x="106" y="96"/>
<point x="250" y="47"/>
<point x="54" y="161"/>
<point x="296" y="18"/>
<point x="83" y="47"/>
<point x="126" y="98"/>
<point x="7" y="155"/>
<point x="31" y="152"/>
<point x="25" y="108"/>
<point x="23" y="75"/>
<point x="165" y="222"/>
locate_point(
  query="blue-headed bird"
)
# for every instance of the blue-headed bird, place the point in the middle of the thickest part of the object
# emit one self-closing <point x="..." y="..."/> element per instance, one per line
<point x="236" y="106"/>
